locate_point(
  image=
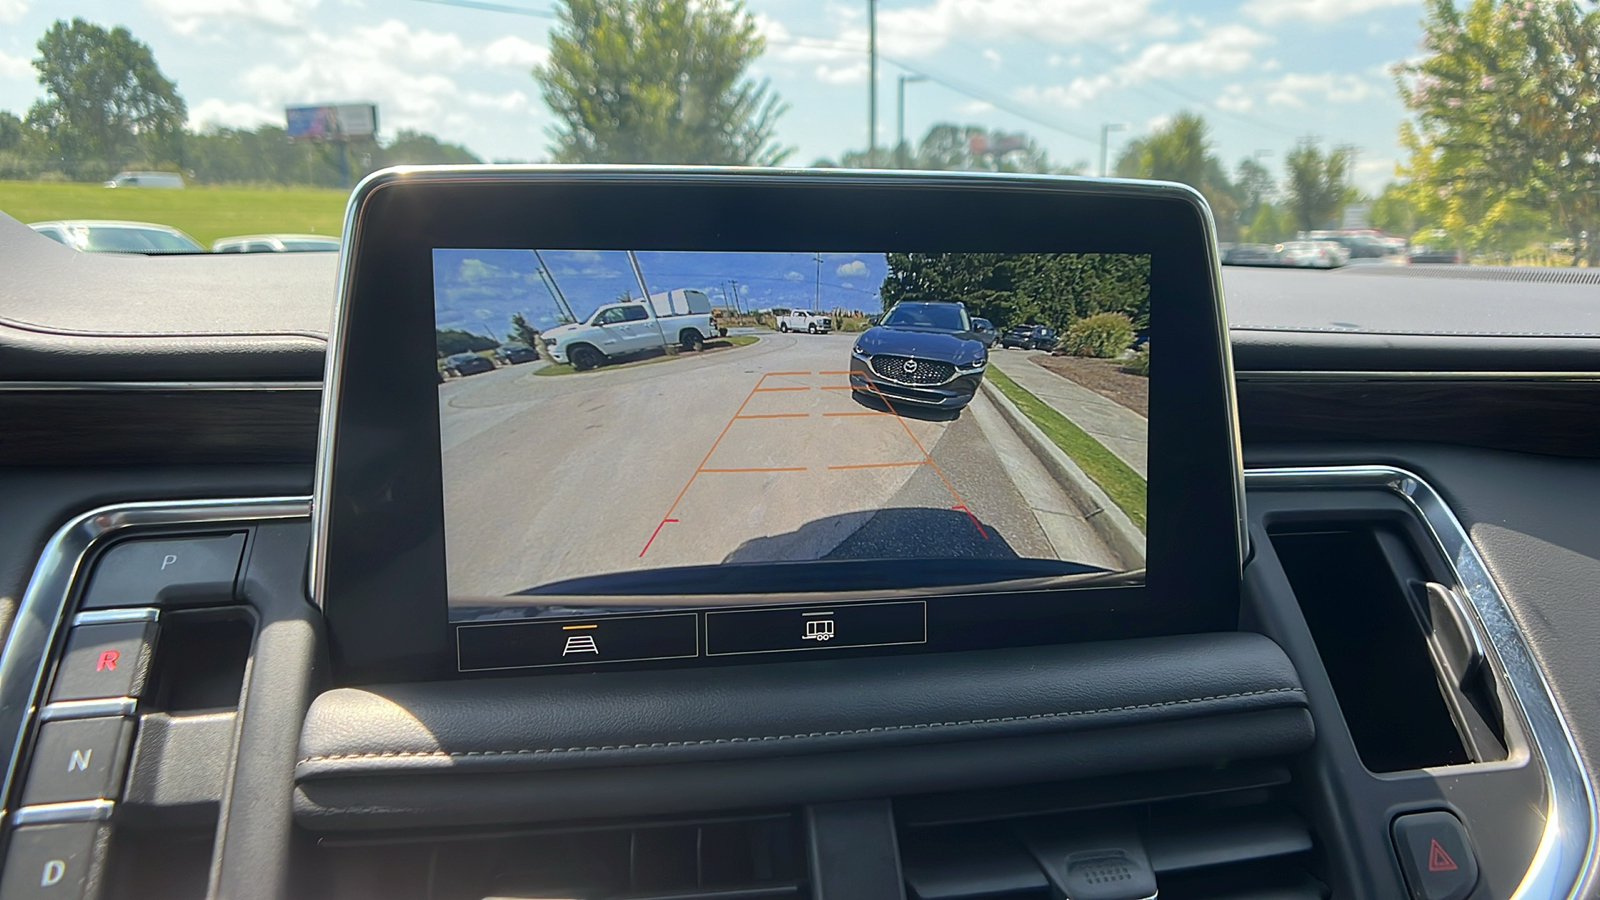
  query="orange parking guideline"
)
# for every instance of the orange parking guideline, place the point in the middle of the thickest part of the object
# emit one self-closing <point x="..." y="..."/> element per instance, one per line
<point x="760" y="469"/>
<point x="887" y="465"/>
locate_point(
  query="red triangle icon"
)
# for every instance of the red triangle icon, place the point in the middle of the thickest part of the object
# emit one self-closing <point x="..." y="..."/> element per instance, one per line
<point x="1438" y="860"/>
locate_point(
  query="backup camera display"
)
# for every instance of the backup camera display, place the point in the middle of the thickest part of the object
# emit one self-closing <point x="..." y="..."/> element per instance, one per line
<point x="710" y="425"/>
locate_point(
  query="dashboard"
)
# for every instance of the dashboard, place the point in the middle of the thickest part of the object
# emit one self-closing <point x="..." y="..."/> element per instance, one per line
<point x="1373" y="678"/>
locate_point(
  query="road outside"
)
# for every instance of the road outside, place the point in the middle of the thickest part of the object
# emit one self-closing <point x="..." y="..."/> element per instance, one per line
<point x="755" y="454"/>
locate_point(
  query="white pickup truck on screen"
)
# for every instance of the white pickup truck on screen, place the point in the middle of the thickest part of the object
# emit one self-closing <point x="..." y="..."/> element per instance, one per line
<point x="679" y="316"/>
<point x="805" y="320"/>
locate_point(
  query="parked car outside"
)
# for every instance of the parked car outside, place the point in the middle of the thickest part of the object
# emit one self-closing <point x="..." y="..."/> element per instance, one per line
<point x="985" y="331"/>
<point x="1029" y="337"/>
<point x="681" y="316"/>
<point x="805" y="320"/>
<point x="1313" y="254"/>
<point x="1434" y="253"/>
<point x="513" y="353"/>
<point x="166" y="180"/>
<point x="111" y="236"/>
<point x="464" y="364"/>
<point x="276" y="243"/>
<point x="922" y="353"/>
<point x="1250" y="255"/>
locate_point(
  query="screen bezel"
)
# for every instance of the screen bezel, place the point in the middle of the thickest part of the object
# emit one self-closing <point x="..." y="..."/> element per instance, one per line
<point x="377" y="565"/>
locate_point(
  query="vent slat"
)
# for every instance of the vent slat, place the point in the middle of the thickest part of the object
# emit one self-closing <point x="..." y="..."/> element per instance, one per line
<point x="1216" y="839"/>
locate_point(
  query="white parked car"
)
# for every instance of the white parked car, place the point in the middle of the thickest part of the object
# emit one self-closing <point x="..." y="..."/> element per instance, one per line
<point x="805" y="320"/>
<point x="678" y="316"/>
<point x="1312" y="254"/>
<point x="276" y="243"/>
<point x="167" y="180"/>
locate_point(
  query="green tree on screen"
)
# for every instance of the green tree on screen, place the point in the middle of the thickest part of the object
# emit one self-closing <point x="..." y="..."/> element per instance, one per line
<point x="1507" y="129"/>
<point x="1318" y="184"/>
<point x="659" y="81"/>
<point x="450" y="341"/>
<point x="1054" y="289"/>
<point x="522" y="332"/>
<point x="106" y="102"/>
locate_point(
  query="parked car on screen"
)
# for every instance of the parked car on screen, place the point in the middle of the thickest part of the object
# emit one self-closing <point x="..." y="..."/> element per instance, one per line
<point x="921" y="353"/>
<point x="805" y="320"/>
<point x="1029" y="337"/>
<point x="276" y="243"/>
<point x="986" y="332"/>
<point x="514" y="353"/>
<point x="166" y="180"/>
<point x="110" y="236"/>
<point x="680" y="316"/>
<point x="464" y="364"/>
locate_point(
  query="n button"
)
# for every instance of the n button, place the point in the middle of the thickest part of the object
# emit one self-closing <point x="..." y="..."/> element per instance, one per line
<point x="78" y="760"/>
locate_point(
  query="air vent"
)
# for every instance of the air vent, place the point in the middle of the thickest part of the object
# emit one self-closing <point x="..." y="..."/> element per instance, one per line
<point x="1213" y="834"/>
<point x="728" y="858"/>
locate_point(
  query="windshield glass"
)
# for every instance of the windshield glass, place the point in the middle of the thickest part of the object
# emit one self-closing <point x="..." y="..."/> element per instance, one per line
<point x="940" y="316"/>
<point x="1409" y="131"/>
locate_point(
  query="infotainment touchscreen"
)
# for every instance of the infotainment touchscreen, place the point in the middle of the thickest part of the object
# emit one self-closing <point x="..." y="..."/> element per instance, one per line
<point x="601" y="419"/>
<point x="754" y="424"/>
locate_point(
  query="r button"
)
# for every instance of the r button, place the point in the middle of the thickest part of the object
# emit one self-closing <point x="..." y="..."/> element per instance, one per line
<point x="1435" y="856"/>
<point x="104" y="661"/>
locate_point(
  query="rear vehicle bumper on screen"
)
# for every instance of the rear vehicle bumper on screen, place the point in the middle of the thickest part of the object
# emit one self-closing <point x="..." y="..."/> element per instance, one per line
<point x="953" y="394"/>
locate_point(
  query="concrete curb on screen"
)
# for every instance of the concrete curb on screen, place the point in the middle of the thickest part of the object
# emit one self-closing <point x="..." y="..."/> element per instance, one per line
<point x="1108" y="520"/>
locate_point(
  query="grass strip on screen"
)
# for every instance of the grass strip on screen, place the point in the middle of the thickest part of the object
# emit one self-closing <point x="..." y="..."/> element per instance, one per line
<point x="1121" y="483"/>
<point x="205" y="213"/>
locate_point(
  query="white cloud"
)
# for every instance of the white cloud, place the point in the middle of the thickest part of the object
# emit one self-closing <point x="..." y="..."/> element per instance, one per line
<point x="1235" y="99"/>
<point x="221" y="113"/>
<point x="921" y="30"/>
<point x="513" y="52"/>
<point x="12" y="10"/>
<point x="792" y="275"/>
<point x="994" y="58"/>
<point x="975" y="107"/>
<point x="1226" y="48"/>
<point x="1274" y="11"/>
<point x="849" y="73"/>
<point x="16" y="67"/>
<point x="189" y="16"/>
<point x="854" y="267"/>
<point x="1297" y="89"/>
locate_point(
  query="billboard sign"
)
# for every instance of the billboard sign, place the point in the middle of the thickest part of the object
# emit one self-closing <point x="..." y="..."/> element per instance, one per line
<point x="332" y="121"/>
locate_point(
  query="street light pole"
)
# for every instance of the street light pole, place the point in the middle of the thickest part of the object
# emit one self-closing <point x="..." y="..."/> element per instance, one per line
<point x="1105" y="143"/>
<point x="872" y="83"/>
<point x="900" y="118"/>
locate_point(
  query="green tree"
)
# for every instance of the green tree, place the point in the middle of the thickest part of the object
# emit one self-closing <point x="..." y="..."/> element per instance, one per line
<point x="1271" y="224"/>
<point x="106" y="102"/>
<point x="1318" y="184"/>
<point x="1507" y="106"/>
<point x="1254" y="185"/>
<point x="969" y="148"/>
<point x="416" y="148"/>
<point x="450" y="341"/>
<point x="522" y="332"/>
<point x="659" y="81"/>
<point x="1394" y="212"/>
<point x="1181" y="151"/>
<point x="1055" y="289"/>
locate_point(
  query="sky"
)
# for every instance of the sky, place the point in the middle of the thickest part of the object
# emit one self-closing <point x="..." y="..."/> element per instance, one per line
<point x="1264" y="73"/>
<point x="478" y="290"/>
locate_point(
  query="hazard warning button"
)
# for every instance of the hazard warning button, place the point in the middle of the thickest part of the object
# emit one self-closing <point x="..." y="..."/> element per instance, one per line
<point x="1435" y="856"/>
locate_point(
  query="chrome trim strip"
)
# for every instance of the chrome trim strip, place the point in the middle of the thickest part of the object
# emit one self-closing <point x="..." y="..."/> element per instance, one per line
<point x="44" y="603"/>
<point x="1319" y="375"/>
<point x="1560" y="866"/>
<point x="88" y="709"/>
<point x="116" y="616"/>
<point x="77" y="811"/>
<point x="148" y="386"/>
<point x="327" y="439"/>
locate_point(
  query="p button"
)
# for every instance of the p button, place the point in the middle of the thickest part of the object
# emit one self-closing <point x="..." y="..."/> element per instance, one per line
<point x="165" y="572"/>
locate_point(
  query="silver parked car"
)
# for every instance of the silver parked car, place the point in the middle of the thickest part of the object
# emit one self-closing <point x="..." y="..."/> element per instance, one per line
<point x="276" y="243"/>
<point x="111" y="236"/>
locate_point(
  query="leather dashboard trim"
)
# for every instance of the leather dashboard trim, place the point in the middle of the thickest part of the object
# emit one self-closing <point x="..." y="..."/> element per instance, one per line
<point x="568" y="722"/>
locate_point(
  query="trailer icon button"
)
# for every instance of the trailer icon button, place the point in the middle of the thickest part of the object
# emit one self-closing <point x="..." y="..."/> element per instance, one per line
<point x="818" y="629"/>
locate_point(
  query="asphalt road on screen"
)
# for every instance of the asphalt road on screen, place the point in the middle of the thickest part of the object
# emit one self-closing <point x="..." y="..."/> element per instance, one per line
<point x="748" y="454"/>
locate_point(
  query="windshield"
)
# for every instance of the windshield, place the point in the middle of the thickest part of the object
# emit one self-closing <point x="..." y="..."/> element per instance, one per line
<point x="1410" y="131"/>
<point x="939" y="316"/>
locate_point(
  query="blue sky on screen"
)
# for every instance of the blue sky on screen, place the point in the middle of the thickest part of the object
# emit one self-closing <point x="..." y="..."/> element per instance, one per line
<point x="1263" y="72"/>
<point x="479" y="290"/>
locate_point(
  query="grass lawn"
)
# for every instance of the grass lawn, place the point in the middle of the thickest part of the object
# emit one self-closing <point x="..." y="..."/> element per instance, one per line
<point x="732" y="340"/>
<point x="205" y="213"/>
<point x="1122" y="484"/>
